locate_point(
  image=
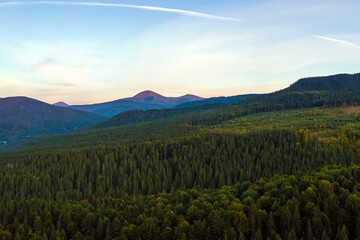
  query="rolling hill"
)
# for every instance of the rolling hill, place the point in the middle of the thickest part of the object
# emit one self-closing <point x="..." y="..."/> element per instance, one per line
<point x="23" y="118"/>
<point x="145" y="100"/>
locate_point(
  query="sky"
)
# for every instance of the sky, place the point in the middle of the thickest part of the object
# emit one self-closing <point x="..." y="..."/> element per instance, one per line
<point x="95" y="51"/>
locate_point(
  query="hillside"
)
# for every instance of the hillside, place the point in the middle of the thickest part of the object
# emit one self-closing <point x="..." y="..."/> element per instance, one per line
<point x="140" y="116"/>
<point x="23" y="118"/>
<point x="215" y="100"/>
<point x="143" y="101"/>
<point x="339" y="82"/>
<point x="129" y="127"/>
<point x="324" y="123"/>
<point x="330" y="91"/>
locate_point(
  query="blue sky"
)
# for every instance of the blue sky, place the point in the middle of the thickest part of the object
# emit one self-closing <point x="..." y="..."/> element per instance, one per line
<point x="86" y="53"/>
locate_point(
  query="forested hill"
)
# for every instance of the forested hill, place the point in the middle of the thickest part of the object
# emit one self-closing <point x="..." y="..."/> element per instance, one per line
<point x="331" y="91"/>
<point x="215" y="100"/>
<point x="23" y="117"/>
<point x="339" y="82"/>
<point x="140" y="116"/>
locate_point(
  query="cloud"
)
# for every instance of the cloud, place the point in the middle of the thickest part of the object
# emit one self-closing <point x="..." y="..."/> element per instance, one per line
<point x="43" y="63"/>
<point x="342" y="42"/>
<point x="65" y="84"/>
<point x="98" y="4"/>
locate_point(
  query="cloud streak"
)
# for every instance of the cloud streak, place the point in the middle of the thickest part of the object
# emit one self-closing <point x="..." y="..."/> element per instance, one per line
<point x="100" y="4"/>
<point x="339" y="41"/>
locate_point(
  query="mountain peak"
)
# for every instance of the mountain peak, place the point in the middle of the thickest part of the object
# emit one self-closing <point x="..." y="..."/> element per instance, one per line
<point x="146" y="94"/>
<point x="61" y="104"/>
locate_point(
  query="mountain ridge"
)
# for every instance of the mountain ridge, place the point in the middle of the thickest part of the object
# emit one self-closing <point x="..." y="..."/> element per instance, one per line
<point x="145" y="100"/>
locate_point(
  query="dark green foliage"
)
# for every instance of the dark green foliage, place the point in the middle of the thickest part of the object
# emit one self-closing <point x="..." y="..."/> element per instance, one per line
<point x="320" y="205"/>
<point x="205" y="161"/>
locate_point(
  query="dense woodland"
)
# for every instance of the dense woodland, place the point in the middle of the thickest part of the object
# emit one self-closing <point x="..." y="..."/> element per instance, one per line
<point x="205" y="161"/>
<point x="267" y="167"/>
<point x="322" y="205"/>
<point x="100" y="192"/>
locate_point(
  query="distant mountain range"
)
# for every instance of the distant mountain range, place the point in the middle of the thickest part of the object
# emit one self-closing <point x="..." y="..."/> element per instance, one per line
<point x="143" y="101"/>
<point x="139" y="125"/>
<point x="23" y="118"/>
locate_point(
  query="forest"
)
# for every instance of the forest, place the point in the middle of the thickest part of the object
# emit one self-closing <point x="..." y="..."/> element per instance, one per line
<point x="318" y="205"/>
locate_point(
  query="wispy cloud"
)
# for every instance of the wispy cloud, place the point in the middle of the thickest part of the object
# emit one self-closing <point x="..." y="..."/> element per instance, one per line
<point x="64" y="84"/>
<point x="100" y="4"/>
<point x="339" y="41"/>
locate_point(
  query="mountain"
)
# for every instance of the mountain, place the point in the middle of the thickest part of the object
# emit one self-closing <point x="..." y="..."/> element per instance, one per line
<point x="143" y="101"/>
<point x="23" y="117"/>
<point x="222" y="100"/>
<point x="61" y="104"/>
